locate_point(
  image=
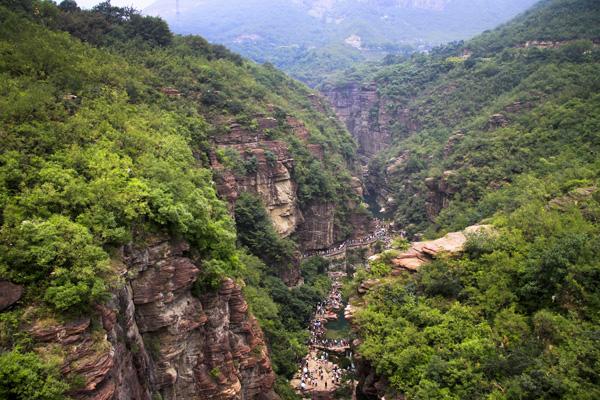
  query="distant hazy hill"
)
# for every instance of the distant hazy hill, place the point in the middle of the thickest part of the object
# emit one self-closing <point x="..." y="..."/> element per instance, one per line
<point x="321" y="35"/>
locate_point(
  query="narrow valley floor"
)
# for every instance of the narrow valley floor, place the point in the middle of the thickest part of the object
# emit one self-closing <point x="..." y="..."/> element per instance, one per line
<point x="328" y="366"/>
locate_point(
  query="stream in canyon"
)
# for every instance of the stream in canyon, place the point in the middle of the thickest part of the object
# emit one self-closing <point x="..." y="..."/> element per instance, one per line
<point x="328" y="369"/>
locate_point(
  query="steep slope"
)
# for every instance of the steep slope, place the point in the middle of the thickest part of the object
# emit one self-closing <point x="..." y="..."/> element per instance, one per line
<point x="503" y="131"/>
<point x="121" y="273"/>
<point x="469" y="122"/>
<point x="311" y="39"/>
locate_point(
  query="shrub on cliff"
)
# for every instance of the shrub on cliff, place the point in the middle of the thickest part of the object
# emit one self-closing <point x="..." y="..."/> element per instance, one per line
<point x="256" y="232"/>
<point x="24" y="376"/>
<point x="59" y="257"/>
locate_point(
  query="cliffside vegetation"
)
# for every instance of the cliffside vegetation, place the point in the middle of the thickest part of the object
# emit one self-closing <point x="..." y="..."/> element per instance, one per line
<point x="503" y="129"/>
<point x="283" y="312"/>
<point x="107" y="120"/>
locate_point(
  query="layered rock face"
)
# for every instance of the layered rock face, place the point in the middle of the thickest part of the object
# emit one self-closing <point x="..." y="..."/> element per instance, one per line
<point x="155" y="338"/>
<point x="317" y="232"/>
<point x="371" y="118"/>
<point x="364" y="113"/>
<point x="423" y="252"/>
<point x="271" y="178"/>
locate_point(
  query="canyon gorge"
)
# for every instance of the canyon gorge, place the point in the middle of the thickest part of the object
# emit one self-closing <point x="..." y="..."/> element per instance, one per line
<point x="178" y="222"/>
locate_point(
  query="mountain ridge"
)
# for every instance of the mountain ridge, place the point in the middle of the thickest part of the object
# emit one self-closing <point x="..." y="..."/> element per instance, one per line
<point x="286" y="32"/>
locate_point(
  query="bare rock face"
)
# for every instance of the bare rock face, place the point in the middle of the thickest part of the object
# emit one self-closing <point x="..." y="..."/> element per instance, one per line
<point x="397" y="163"/>
<point x="270" y="178"/>
<point x="207" y="347"/>
<point x="440" y="191"/>
<point x="317" y="231"/>
<point x="423" y="252"/>
<point x="364" y="113"/>
<point x="268" y="173"/>
<point x="453" y="140"/>
<point x="154" y="337"/>
<point x="574" y="198"/>
<point x="497" y="121"/>
<point x="9" y="294"/>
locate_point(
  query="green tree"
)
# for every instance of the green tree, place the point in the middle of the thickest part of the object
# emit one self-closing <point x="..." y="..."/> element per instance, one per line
<point x="256" y="232"/>
<point x="24" y="376"/>
<point x="150" y="29"/>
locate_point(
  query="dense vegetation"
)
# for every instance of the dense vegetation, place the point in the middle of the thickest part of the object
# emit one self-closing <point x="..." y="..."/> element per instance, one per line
<point x="24" y="376"/>
<point x="282" y="312"/>
<point x="512" y="133"/>
<point x="256" y="232"/>
<point x="97" y="152"/>
<point x="516" y="317"/>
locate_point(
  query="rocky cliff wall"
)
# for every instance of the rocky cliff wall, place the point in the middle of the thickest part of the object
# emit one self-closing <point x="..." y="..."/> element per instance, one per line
<point x="155" y="339"/>
<point x="364" y="112"/>
<point x="317" y="231"/>
<point x="271" y="178"/>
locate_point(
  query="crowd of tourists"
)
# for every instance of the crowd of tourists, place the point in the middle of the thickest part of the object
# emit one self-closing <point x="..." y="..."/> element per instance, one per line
<point x="327" y="310"/>
<point x="317" y="372"/>
<point x="381" y="232"/>
<point x="331" y="343"/>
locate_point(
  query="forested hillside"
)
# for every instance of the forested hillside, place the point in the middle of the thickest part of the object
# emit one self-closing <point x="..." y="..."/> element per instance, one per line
<point x="109" y="130"/>
<point x="160" y="198"/>
<point x="502" y="130"/>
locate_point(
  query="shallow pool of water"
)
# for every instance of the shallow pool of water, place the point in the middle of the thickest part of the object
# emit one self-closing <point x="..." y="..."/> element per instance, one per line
<point x="338" y="329"/>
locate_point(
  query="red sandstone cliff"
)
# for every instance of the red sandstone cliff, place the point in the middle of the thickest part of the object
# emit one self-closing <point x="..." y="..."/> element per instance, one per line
<point x="153" y="337"/>
<point x="365" y="114"/>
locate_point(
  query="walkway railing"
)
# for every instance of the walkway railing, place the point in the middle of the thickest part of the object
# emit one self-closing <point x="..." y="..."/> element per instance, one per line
<point x="349" y="245"/>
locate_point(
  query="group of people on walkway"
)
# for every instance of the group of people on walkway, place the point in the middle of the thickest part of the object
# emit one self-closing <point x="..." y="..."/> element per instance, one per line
<point x="333" y="344"/>
<point x="381" y="232"/>
<point x="325" y="310"/>
<point x="318" y="373"/>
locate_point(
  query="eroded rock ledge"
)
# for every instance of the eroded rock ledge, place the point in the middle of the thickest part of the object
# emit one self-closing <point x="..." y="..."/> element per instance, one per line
<point x="423" y="252"/>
